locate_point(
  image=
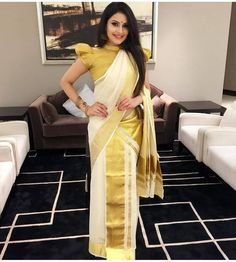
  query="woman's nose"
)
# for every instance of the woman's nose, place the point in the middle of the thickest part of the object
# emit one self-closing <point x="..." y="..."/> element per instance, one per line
<point x="120" y="29"/>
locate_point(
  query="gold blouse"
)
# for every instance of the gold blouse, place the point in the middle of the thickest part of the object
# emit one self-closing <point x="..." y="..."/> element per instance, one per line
<point x="99" y="59"/>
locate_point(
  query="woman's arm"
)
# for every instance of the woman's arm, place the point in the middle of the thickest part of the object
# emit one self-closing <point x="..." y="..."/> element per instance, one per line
<point x="71" y="75"/>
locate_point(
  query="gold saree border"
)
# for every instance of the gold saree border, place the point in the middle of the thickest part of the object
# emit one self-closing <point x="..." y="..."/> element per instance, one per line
<point x="115" y="193"/>
<point x="97" y="249"/>
<point x="118" y="186"/>
<point x="118" y="254"/>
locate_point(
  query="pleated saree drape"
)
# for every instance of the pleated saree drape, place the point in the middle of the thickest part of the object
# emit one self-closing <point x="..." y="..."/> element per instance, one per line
<point x="119" y="156"/>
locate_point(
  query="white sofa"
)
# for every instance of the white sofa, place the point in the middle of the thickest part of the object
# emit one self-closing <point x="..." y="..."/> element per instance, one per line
<point x="16" y="133"/>
<point x="212" y="140"/>
<point x="219" y="153"/>
<point x="14" y="146"/>
<point x="7" y="172"/>
<point x="191" y="130"/>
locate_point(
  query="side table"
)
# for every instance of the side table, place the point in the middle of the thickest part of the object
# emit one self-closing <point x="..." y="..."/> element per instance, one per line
<point x="17" y="113"/>
<point x="13" y="113"/>
<point x="201" y="107"/>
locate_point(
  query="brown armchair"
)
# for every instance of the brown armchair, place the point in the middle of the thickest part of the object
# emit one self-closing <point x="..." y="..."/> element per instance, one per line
<point x="165" y="116"/>
<point x="54" y="128"/>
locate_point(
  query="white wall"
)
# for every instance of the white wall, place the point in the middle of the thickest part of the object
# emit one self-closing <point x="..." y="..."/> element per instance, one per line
<point x="191" y="46"/>
<point x="191" y="50"/>
<point x="23" y="77"/>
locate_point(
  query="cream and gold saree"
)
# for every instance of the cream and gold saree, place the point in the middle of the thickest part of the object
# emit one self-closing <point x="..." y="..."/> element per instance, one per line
<point x="124" y="163"/>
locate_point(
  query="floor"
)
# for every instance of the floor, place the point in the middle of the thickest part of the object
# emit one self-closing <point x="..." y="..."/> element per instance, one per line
<point x="227" y="100"/>
<point x="46" y="216"/>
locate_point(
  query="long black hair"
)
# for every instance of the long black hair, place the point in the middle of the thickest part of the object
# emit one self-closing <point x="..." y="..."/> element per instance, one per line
<point x="132" y="42"/>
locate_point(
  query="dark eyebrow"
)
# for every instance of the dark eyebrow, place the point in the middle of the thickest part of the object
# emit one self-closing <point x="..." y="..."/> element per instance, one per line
<point x="126" y="23"/>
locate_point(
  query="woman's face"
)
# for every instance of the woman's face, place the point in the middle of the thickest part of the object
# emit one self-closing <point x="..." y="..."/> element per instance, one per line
<point x="117" y="29"/>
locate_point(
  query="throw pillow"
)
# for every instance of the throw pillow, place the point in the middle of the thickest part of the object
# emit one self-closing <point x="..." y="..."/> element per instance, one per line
<point x="229" y="118"/>
<point x="158" y="106"/>
<point x="87" y="95"/>
<point x="155" y="91"/>
<point x="57" y="100"/>
<point x="49" y="112"/>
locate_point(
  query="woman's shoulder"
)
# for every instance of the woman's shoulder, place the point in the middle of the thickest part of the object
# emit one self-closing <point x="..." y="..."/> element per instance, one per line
<point x="85" y="53"/>
<point x="83" y="48"/>
<point x="147" y="54"/>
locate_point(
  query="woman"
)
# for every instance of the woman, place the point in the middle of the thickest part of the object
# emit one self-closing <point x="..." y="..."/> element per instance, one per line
<point x="124" y="161"/>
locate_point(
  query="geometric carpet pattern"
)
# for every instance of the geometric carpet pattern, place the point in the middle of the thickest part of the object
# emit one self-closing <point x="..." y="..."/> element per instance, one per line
<point x="46" y="215"/>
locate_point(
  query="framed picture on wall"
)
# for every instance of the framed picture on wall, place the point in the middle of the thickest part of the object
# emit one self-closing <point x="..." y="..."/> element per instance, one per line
<point x="62" y="25"/>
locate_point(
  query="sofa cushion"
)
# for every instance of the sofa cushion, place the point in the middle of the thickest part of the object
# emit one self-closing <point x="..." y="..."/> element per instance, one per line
<point x="158" y="106"/>
<point x="49" y="112"/>
<point x="87" y="95"/>
<point x="66" y="125"/>
<point x="57" y="100"/>
<point x="221" y="159"/>
<point x="155" y="91"/>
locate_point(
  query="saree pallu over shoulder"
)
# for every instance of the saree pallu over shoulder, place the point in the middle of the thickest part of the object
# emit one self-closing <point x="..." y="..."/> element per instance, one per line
<point x="119" y="80"/>
<point x="149" y="176"/>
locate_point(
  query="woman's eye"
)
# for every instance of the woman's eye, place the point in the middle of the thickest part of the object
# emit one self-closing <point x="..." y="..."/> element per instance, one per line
<point x="114" y="24"/>
<point x="126" y="26"/>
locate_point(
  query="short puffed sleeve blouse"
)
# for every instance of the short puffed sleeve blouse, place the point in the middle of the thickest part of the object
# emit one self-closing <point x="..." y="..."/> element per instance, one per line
<point x="99" y="59"/>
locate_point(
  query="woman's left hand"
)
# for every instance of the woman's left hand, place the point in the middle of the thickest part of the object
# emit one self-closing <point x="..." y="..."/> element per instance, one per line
<point x="126" y="102"/>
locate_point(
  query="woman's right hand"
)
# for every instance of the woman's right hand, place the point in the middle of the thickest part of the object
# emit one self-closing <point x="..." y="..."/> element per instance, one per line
<point x="97" y="109"/>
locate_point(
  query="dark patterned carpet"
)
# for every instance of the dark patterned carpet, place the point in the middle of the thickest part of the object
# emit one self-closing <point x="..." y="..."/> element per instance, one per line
<point x="46" y="215"/>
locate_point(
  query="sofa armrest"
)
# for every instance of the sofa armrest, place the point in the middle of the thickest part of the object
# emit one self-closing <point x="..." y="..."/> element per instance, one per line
<point x="170" y="105"/>
<point x="34" y="109"/>
<point x="199" y="119"/>
<point x="170" y="110"/>
<point x="155" y="91"/>
<point x="14" y="128"/>
<point x="6" y="152"/>
<point x="10" y="140"/>
<point x="36" y="119"/>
